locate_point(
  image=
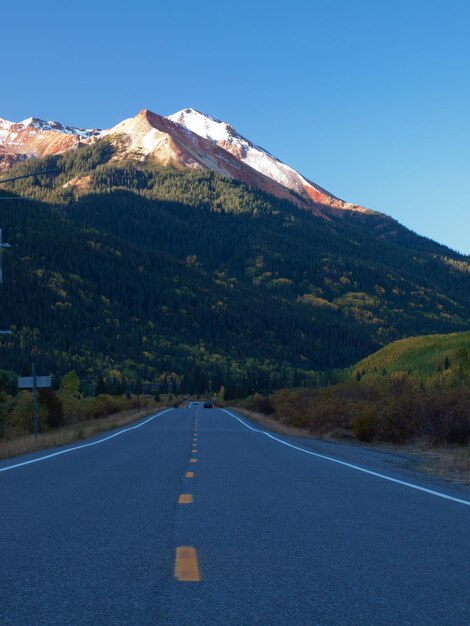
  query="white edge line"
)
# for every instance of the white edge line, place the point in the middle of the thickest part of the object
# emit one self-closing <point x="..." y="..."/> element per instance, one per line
<point x="439" y="494"/>
<point x="83" y="445"/>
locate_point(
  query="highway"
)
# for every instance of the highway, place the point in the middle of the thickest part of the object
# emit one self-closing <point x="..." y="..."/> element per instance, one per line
<point x="197" y="516"/>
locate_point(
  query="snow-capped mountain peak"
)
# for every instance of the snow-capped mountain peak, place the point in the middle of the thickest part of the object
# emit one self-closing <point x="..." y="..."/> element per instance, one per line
<point x="35" y="122"/>
<point x="225" y="136"/>
<point x="187" y="138"/>
<point x="204" y="125"/>
<point x="34" y="137"/>
<point x="149" y="136"/>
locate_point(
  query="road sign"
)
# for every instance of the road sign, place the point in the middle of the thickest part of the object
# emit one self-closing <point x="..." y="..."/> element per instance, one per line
<point x="27" y="382"/>
<point x="34" y="382"/>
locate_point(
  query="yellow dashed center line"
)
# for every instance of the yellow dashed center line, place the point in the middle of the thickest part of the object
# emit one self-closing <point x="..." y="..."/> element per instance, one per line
<point x="185" y="498"/>
<point x="186" y="566"/>
<point x="189" y="474"/>
<point x="193" y="461"/>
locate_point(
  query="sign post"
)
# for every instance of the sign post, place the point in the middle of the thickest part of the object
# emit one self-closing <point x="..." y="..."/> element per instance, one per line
<point x="3" y="247"/>
<point x="34" y="382"/>
<point x="35" y="402"/>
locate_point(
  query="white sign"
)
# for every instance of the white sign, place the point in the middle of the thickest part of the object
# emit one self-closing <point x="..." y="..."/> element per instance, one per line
<point x="26" y="382"/>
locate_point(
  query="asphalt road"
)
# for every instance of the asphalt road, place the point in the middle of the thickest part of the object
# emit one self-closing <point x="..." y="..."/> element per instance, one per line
<point x="282" y="534"/>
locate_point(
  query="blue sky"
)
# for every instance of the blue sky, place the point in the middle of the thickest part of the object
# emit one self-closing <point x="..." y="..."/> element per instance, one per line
<point x="369" y="99"/>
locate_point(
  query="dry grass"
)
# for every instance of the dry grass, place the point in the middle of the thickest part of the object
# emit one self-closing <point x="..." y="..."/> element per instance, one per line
<point x="270" y="422"/>
<point x="71" y="433"/>
<point x="449" y="463"/>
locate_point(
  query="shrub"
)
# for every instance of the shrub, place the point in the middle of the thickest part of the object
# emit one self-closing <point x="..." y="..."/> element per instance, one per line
<point x="264" y="405"/>
<point x="49" y="401"/>
<point x="106" y="405"/>
<point x="448" y="417"/>
<point x="363" y="426"/>
<point x="397" y="419"/>
<point x="20" y="417"/>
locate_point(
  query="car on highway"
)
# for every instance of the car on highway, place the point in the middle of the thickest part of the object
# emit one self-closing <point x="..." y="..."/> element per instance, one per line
<point x="207" y="405"/>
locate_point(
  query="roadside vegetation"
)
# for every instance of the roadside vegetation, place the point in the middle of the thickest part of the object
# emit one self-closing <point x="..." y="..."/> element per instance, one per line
<point x="66" y="415"/>
<point x="425" y="406"/>
<point x="432" y="358"/>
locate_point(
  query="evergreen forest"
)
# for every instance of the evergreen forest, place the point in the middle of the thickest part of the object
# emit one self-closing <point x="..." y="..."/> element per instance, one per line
<point x="136" y="272"/>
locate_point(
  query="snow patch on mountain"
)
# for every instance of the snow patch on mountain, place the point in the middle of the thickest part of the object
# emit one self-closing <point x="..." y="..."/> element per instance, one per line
<point x="5" y="128"/>
<point x="60" y="128"/>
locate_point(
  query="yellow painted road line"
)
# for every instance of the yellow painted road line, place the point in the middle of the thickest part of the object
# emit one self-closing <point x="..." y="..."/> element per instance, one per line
<point x="185" y="498"/>
<point x="189" y="474"/>
<point x="193" y="461"/>
<point x="186" y="566"/>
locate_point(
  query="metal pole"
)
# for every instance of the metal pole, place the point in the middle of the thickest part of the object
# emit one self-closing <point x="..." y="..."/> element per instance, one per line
<point x="35" y="402"/>
<point x="3" y="247"/>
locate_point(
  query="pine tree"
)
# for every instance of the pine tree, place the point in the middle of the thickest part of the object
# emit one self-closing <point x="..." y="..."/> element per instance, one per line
<point x="101" y="387"/>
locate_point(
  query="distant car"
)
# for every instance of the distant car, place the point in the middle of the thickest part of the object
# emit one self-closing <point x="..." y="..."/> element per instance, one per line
<point x="192" y="404"/>
<point x="207" y="405"/>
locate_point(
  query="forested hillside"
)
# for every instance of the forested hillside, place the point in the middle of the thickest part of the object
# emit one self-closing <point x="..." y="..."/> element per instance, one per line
<point x="437" y="357"/>
<point x="152" y="273"/>
<point x="411" y="390"/>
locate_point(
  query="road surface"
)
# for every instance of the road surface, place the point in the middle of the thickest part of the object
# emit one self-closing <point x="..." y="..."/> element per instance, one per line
<point x="258" y="528"/>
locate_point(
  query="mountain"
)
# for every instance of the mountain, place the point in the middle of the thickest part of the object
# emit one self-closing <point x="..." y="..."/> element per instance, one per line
<point x="36" y="138"/>
<point x="187" y="139"/>
<point x="149" y="136"/>
<point x="124" y="265"/>
<point x="225" y="136"/>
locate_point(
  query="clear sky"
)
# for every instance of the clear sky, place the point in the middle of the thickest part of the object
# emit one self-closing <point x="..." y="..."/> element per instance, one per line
<point x="368" y="98"/>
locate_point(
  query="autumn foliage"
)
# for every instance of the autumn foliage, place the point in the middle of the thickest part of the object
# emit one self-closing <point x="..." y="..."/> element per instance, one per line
<point x="395" y="408"/>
